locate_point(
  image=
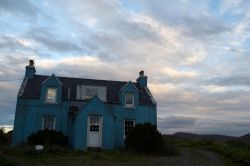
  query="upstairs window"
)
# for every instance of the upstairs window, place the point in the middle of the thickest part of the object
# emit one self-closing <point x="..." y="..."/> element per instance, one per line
<point x="49" y="123"/>
<point x="129" y="100"/>
<point x="128" y="124"/>
<point x="88" y="91"/>
<point x="51" y="95"/>
<point x="91" y="92"/>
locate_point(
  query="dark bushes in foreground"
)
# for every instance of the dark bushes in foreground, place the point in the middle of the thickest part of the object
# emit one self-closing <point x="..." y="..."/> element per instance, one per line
<point x="48" y="137"/>
<point x="146" y="138"/>
<point x="5" y="138"/>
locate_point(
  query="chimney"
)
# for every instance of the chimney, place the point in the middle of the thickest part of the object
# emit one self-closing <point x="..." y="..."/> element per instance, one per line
<point x="30" y="70"/>
<point x="142" y="80"/>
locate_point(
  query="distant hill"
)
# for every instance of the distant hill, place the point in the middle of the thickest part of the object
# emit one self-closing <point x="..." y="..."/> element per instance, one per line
<point x="245" y="138"/>
<point x="216" y="137"/>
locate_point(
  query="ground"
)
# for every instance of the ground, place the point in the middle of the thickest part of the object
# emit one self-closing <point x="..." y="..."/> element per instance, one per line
<point x="58" y="156"/>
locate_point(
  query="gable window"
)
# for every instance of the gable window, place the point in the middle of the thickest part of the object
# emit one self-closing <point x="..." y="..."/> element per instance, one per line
<point x="129" y="100"/>
<point x="51" y="95"/>
<point x="49" y="122"/>
<point x="128" y="124"/>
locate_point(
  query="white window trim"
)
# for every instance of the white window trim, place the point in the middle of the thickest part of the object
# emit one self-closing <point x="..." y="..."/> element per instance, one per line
<point x="54" y="125"/>
<point x="124" y="135"/>
<point x="46" y="97"/>
<point x="133" y="100"/>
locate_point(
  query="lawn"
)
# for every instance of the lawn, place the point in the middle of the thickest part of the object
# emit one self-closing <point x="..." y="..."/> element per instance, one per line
<point x="26" y="155"/>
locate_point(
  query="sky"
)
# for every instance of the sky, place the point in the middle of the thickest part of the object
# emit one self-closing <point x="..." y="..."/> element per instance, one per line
<point x="196" y="54"/>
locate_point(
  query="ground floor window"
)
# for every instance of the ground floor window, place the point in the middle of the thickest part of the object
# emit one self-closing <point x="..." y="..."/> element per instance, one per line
<point x="49" y="122"/>
<point x="128" y="124"/>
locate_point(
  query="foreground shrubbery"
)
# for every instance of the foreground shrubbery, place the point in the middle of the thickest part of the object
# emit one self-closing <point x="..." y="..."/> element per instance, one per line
<point x="5" y="138"/>
<point x="147" y="139"/>
<point x="48" y="138"/>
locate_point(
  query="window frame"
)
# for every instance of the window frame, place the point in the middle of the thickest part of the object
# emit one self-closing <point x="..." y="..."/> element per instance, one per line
<point x="54" y="122"/>
<point x="124" y="127"/>
<point x="46" y="97"/>
<point x="128" y="105"/>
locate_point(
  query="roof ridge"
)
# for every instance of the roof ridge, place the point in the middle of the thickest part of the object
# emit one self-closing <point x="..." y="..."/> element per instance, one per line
<point x="87" y="79"/>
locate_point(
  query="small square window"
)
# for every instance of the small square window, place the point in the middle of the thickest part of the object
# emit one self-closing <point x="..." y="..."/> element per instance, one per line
<point x="49" y="123"/>
<point x="129" y="100"/>
<point x="51" y="95"/>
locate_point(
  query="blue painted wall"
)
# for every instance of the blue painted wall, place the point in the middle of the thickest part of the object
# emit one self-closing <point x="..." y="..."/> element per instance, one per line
<point x="29" y="114"/>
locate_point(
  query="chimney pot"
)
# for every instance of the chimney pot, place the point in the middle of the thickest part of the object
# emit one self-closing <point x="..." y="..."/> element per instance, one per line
<point x="31" y="63"/>
<point x="141" y="73"/>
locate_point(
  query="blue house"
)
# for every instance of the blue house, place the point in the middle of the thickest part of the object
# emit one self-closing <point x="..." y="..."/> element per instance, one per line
<point x="92" y="113"/>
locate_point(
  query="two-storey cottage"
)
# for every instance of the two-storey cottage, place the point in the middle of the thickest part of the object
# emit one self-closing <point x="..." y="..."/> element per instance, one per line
<point x="92" y="113"/>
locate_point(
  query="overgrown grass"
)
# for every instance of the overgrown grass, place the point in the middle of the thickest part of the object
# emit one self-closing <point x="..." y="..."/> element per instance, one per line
<point x="236" y="151"/>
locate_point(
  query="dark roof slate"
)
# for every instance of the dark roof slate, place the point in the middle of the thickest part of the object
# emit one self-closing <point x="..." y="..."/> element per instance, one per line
<point x="33" y="86"/>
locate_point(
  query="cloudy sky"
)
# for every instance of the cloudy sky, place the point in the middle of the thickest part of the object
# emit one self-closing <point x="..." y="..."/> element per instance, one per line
<point x="196" y="54"/>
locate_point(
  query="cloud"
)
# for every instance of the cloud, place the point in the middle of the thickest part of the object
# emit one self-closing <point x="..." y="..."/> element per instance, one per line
<point x="196" y="62"/>
<point x="200" y="125"/>
<point x="52" y="41"/>
<point x="25" y="7"/>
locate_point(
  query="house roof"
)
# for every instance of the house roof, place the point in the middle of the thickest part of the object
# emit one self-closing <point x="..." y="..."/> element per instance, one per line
<point x="32" y="89"/>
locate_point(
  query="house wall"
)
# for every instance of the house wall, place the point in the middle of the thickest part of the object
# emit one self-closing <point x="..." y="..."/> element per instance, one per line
<point x="29" y="115"/>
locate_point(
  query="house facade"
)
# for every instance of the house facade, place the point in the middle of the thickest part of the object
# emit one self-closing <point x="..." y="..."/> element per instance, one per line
<point x="90" y="112"/>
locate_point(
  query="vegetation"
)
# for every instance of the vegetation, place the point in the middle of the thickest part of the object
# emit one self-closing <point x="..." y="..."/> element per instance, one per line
<point x="5" y="138"/>
<point x="145" y="138"/>
<point x="236" y="151"/>
<point x="48" y="137"/>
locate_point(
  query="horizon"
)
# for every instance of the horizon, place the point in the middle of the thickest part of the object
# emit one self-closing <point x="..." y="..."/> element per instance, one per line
<point x="195" y="54"/>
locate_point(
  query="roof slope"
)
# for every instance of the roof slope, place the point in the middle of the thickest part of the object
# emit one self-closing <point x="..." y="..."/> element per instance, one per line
<point x="33" y="88"/>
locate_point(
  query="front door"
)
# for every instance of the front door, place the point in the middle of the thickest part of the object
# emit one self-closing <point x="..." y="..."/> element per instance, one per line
<point x="94" y="131"/>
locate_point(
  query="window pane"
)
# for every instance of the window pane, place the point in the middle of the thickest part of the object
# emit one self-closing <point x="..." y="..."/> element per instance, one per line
<point x="91" y="92"/>
<point x="51" y="95"/>
<point x="129" y="99"/>
<point x="48" y="123"/>
<point x="94" y="124"/>
<point x="128" y="124"/>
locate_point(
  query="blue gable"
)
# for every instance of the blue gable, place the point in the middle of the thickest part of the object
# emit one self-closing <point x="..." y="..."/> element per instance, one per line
<point x="89" y="121"/>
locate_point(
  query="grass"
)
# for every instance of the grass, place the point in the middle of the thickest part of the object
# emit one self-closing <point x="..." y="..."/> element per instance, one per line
<point x="190" y="152"/>
<point x="26" y="155"/>
<point x="235" y="152"/>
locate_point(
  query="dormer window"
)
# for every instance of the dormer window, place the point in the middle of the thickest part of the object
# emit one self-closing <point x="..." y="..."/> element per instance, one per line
<point x="51" y="95"/>
<point x="91" y="92"/>
<point x="84" y="92"/>
<point x="129" y="100"/>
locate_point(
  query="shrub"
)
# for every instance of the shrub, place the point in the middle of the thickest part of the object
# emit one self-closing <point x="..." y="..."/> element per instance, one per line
<point x="3" y="137"/>
<point x="48" y="137"/>
<point x="144" y="138"/>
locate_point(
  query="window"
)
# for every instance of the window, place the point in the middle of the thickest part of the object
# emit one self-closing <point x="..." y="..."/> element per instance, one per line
<point x="94" y="123"/>
<point x="49" y="123"/>
<point x="128" y="124"/>
<point x="129" y="100"/>
<point x="51" y="95"/>
<point x="91" y="92"/>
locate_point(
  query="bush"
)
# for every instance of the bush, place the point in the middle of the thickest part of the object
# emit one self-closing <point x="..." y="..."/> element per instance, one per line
<point x="3" y="137"/>
<point x="144" y="138"/>
<point x="47" y="138"/>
